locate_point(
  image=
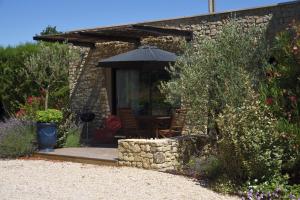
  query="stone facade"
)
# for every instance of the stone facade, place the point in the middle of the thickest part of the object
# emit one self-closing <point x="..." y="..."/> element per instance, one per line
<point x="160" y="154"/>
<point x="275" y="18"/>
<point x="91" y="85"/>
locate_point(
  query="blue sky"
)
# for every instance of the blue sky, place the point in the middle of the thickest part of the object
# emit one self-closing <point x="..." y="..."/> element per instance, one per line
<point x="22" y="19"/>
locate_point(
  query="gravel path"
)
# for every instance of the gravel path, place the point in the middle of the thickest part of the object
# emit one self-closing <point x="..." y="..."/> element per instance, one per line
<point x="38" y="179"/>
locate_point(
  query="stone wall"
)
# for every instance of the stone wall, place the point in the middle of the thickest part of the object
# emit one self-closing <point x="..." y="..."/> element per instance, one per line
<point x="160" y="154"/>
<point x="275" y="18"/>
<point x="168" y="43"/>
<point x="88" y="82"/>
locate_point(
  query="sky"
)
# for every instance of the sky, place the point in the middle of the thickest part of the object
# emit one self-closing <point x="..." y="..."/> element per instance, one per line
<point x="20" y="20"/>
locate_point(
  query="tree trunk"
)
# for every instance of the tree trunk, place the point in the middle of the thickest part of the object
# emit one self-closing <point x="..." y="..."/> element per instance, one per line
<point x="46" y="98"/>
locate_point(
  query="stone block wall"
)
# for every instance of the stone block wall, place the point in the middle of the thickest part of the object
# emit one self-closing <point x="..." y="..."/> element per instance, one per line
<point x="275" y="18"/>
<point x="89" y="91"/>
<point x="159" y="154"/>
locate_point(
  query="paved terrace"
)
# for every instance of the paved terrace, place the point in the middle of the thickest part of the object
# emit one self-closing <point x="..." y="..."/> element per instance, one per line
<point x="89" y="155"/>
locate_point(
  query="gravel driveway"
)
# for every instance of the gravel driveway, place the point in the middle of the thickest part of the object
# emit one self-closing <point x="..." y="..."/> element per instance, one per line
<point x="38" y="179"/>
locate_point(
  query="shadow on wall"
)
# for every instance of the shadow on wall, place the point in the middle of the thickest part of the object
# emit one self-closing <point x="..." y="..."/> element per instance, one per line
<point x="87" y="83"/>
<point x="282" y="18"/>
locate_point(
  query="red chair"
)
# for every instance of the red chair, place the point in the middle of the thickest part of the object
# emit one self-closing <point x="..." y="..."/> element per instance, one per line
<point x="106" y="135"/>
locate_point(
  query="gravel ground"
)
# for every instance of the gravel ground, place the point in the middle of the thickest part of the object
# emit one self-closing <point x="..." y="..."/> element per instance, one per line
<point x="38" y="179"/>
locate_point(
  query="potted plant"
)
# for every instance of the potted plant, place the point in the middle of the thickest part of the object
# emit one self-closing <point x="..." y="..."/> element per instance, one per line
<point x="47" y="128"/>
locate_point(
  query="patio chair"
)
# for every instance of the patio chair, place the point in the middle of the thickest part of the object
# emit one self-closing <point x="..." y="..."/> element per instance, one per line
<point x="176" y="125"/>
<point x="130" y="127"/>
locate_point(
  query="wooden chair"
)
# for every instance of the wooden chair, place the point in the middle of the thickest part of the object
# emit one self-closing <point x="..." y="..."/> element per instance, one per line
<point x="130" y="127"/>
<point x="176" y="125"/>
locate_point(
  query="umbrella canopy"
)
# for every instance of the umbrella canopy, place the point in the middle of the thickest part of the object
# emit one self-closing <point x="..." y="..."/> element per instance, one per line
<point x="144" y="56"/>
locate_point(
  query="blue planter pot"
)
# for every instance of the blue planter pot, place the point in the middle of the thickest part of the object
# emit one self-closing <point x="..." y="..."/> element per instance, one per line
<point x="47" y="135"/>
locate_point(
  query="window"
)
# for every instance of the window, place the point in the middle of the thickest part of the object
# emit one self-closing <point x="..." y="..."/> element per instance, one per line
<point x="138" y="89"/>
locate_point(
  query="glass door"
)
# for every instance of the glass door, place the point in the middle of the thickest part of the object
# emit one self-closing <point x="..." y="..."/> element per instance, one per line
<point x="138" y="90"/>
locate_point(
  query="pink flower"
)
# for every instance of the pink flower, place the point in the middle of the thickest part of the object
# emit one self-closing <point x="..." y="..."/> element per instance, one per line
<point x="21" y="112"/>
<point x="33" y="99"/>
<point x="269" y="101"/>
<point x="30" y="100"/>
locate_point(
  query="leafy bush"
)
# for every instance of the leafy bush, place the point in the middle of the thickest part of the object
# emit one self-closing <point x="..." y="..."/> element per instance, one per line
<point x="213" y="73"/>
<point x="19" y="78"/>
<point x="15" y="86"/>
<point x="249" y="148"/>
<point x="281" y="86"/>
<point x="17" y="138"/>
<point x="49" y="115"/>
<point x="73" y="137"/>
<point x="280" y="90"/>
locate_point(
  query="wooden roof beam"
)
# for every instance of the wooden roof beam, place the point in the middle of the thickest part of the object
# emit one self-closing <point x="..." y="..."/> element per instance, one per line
<point x="74" y="41"/>
<point x="188" y="35"/>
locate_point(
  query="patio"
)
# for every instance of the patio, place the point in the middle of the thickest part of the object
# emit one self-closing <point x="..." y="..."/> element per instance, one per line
<point x="105" y="155"/>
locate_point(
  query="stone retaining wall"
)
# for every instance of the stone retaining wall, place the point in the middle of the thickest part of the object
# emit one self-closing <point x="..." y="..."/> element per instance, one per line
<point x="160" y="154"/>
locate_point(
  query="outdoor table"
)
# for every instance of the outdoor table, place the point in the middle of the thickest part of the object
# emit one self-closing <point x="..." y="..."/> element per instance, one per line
<point x="154" y="123"/>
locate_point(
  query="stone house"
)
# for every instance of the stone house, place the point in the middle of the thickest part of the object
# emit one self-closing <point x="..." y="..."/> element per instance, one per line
<point x="96" y="89"/>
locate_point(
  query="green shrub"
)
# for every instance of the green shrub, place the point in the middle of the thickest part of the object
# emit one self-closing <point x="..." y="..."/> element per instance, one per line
<point x="16" y="139"/>
<point x="280" y="90"/>
<point x="49" y="116"/>
<point x="15" y="85"/>
<point x="250" y="146"/>
<point x="73" y="137"/>
<point x="65" y="127"/>
<point x="223" y="184"/>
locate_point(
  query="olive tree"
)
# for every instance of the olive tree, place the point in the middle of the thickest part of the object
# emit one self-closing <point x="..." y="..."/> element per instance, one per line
<point x="216" y="72"/>
<point x="49" y="67"/>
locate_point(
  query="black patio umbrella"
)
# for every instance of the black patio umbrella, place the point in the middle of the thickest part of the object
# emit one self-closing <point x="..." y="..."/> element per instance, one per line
<point x="144" y="56"/>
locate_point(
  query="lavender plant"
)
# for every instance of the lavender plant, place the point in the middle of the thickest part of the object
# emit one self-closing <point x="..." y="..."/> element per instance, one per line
<point x="16" y="138"/>
<point x="277" y="194"/>
<point x="276" y="188"/>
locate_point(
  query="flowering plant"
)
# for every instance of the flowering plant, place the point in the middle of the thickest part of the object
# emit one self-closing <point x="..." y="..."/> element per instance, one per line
<point x="276" y="189"/>
<point x="29" y="109"/>
<point x="281" y="89"/>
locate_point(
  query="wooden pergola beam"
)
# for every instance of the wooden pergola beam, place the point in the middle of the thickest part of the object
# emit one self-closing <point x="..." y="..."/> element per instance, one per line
<point x="74" y="41"/>
<point x="131" y="33"/>
<point x="188" y="35"/>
